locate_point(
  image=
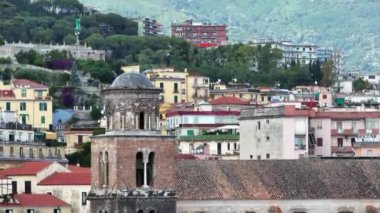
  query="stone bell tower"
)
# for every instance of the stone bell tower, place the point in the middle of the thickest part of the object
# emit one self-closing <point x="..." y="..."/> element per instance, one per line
<point x="132" y="165"/>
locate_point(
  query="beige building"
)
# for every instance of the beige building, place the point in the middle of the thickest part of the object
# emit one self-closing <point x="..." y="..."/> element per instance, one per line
<point x="68" y="185"/>
<point x="30" y="101"/>
<point x="179" y="87"/>
<point x="75" y="139"/>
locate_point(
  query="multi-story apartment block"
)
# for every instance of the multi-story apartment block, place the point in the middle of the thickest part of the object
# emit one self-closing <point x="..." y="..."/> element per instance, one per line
<point x="179" y="87"/>
<point x="151" y="27"/>
<point x="273" y="133"/>
<point x="346" y="133"/>
<point x="201" y="34"/>
<point x="303" y="53"/>
<point x="30" y="101"/>
<point x="335" y="55"/>
<point x="287" y="133"/>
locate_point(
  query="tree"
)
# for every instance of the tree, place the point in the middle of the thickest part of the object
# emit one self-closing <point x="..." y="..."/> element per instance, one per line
<point x="328" y="75"/>
<point x="67" y="97"/>
<point x="2" y="41"/>
<point x="96" y="114"/>
<point x="360" y="85"/>
<point x="83" y="157"/>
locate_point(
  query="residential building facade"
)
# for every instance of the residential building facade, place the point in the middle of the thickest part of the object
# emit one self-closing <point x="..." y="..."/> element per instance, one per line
<point x="201" y="34"/>
<point x="274" y="133"/>
<point x="30" y="100"/>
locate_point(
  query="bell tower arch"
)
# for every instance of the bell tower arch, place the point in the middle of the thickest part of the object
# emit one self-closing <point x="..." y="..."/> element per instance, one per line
<point x="132" y="160"/>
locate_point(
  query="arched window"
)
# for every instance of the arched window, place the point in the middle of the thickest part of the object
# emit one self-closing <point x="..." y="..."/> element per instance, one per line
<point x="100" y="169"/>
<point x="139" y="169"/>
<point x="150" y="169"/>
<point x="106" y="169"/>
<point x="142" y="120"/>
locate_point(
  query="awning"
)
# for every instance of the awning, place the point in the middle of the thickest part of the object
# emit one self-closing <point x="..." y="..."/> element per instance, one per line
<point x="51" y="136"/>
<point x="227" y="127"/>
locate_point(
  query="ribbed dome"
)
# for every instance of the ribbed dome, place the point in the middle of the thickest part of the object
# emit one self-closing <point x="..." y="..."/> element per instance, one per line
<point x="132" y="80"/>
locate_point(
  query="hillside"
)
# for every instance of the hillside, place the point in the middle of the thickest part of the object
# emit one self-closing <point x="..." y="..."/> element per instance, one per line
<point x="348" y="24"/>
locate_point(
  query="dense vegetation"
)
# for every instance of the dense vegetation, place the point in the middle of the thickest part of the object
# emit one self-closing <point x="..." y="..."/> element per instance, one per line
<point x="337" y="23"/>
<point x="53" y="21"/>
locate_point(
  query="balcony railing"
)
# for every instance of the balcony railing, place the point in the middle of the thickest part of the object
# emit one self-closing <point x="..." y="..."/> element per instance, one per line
<point x="227" y="137"/>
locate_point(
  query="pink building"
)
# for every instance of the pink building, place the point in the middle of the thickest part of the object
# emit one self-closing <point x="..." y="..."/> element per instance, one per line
<point x="346" y="133"/>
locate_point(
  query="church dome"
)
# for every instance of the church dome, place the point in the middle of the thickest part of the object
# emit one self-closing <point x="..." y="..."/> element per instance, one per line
<point x="132" y="80"/>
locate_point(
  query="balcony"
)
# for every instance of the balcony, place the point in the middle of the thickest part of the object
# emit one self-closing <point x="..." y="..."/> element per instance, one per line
<point x="43" y="98"/>
<point x="16" y="126"/>
<point x="342" y="150"/>
<point x="226" y="137"/>
<point x="200" y="86"/>
<point x="347" y="132"/>
<point x="374" y="144"/>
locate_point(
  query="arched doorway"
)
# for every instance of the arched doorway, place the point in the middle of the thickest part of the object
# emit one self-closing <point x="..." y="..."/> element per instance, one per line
<point x="150" y="169"/>
<point x="139" y="169"/>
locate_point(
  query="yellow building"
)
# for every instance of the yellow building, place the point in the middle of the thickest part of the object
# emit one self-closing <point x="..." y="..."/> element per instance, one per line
<point x="249" y="94"/>
<point x="30" y="100"/>
<point x="75" y="139"/>
<point x="179" y="87"/>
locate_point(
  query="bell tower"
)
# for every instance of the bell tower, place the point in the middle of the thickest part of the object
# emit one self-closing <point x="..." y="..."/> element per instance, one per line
<point x="132" y="165"/>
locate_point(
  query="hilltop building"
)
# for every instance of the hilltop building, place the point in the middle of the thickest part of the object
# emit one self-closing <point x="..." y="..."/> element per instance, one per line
<point x="149" y="27"/>
<point x="201" y="34"/>
<point x="78" y="52"/>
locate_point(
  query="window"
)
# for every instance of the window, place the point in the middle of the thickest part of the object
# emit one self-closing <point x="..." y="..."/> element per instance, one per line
<point x="259" y="157"/>
<point x="175" y="99"/>
<point x="141" y="120"/>
<point x="43" y="106"/>
<point x="162" y="85"/>
<point x="84" y="200"/>
<point x="340" y="142"/>
<point x="228" y="146"/>
<point x="14" y="187"/>
<point x="30" y="211"/>
<point x="319" y="141"/>
<point x="39" y="94"/>
<point x="57" y="210"/>
<point x="8" y="106"/>
<point x="268" y="138"/>
<point x="21" y="152"/>
<point x="319" y="125"/>
<point x="324" y="96"/>
<point x="22" y="106"/>
<point x="31" y="154"/>
<point x="28" y="187"/>
<point x="267" y="121"/>
<point x="9" y="211"/>
<point x="23" y="93"/>
<point x="175" y="88"/>
<point x="258" y="125"/>
<point x="235" y="146"/>
<point x="268" y="156"/>
<point x="354" y="127"/>
<point x="12" y="152"/>
<point x="150" y="169"/>
<point x="299" y="143"/>
<point x="339" y="125"/>
<point x="42" y="119"/>
<point x="80" y="139"/>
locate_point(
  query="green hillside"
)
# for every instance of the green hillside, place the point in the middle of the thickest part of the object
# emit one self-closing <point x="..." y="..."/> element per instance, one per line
<point x="352" y="25"/>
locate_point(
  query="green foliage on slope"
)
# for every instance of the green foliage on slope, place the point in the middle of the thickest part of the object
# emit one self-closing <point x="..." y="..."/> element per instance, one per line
<point x="350" y="25"/>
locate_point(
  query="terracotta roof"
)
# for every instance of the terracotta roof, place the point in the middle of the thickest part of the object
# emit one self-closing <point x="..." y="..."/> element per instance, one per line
<point x="28" y="168"/>
<point x="228" y="101"/>
<point x="77" y="169"/>
<point x="29" y="83"/>
<point x="173" y="113"/>
<point x="278" y="179"/>
<point x="7" y="94"/>
<point x="67" y="178"/>
<point x="39" y="200"/>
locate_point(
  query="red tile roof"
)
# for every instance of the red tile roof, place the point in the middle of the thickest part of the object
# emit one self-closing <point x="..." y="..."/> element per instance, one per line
<point x="29" y="83"/>
<point x="278" y="179"/>
<point x="67" y="178"/>
<point x="229" y="101"/>
<point x="28" y="168"/>
<point x="7" y="94"/>
<point x="39" y="200"/>
<point x="173" y="113"/>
